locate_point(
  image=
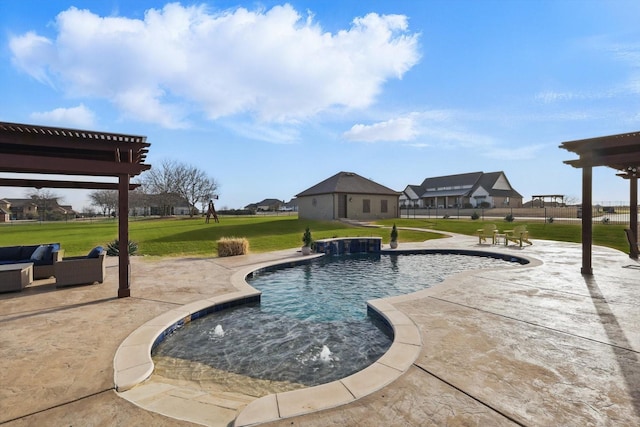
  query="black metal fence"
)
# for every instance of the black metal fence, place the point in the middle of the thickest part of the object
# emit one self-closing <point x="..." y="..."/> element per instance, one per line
<point x="613" y="213"/>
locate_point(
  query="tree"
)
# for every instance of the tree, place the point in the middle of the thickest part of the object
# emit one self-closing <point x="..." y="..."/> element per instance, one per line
<point x="172" y="181"/>
<point x="194" y="186"/>
<point x="46" y="200"/>
<point x="139" y="201"/>
<point x="105" y="200"/>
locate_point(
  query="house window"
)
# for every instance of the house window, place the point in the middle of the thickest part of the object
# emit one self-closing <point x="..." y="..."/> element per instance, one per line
<point x="366" y="206"/>
<point x="383" y="206"/>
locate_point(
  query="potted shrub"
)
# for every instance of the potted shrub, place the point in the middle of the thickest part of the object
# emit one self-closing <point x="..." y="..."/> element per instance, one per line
<point x="307" y="240"/>
<point x="394" y="237"/>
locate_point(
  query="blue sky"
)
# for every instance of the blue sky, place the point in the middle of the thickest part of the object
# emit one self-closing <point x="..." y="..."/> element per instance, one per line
<point x="269" y="98"/>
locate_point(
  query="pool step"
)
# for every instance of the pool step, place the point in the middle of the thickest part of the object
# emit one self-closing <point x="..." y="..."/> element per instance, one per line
<point x="207" y="407"/>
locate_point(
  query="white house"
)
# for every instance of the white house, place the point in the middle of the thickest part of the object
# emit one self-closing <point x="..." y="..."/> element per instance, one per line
<point x="474" y="189"/>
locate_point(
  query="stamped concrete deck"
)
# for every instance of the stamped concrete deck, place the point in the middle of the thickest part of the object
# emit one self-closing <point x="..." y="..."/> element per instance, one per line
<point x="537" y="346"/>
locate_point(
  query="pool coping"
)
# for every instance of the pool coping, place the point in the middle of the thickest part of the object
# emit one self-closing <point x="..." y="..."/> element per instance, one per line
<point x="133" y="363"/>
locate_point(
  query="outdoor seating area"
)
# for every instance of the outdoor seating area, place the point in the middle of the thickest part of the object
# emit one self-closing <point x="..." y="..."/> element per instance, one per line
<point x="43" y="257"/>
<point x="20" y="266"/>
<point x="519" y="235"/>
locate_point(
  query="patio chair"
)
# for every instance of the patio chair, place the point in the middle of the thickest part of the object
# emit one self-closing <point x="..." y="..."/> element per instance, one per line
<point x="518" y="235"/>
<point x="489" y="230"/>
<point x="82" y="270"/>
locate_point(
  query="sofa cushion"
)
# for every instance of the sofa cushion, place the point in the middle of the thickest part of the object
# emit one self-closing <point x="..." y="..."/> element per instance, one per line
<point x="9" y="253"/>
<point x="95" y="252"/>
<point x="39" y="253"/>
<point x="27" y="251"/>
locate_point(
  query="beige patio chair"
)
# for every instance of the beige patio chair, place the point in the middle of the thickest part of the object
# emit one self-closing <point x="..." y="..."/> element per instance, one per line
<point x="83" y="270"/>
<point x="489" y="230"/>
<point x="518" y="235"/>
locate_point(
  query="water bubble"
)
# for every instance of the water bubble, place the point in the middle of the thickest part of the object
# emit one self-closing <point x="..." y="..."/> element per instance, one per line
<point x="218" y="331"/>
<point x="325" y="354"/>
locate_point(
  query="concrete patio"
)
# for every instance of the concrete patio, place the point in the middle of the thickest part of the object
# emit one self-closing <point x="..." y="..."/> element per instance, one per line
<point x="536" y="345"/>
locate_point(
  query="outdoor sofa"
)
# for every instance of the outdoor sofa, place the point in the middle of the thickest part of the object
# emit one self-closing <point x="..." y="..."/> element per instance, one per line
<point x="44" y="257"/>
<point x="81" y="270"/>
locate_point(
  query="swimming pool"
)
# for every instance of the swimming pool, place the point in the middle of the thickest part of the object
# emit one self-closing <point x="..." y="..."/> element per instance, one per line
<point x="312" y="324"/>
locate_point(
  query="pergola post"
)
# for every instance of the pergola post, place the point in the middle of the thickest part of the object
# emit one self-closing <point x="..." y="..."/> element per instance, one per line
<point x="587" y="219"/>
<point x="123" y="237"/>
<point x="633" y="204"/>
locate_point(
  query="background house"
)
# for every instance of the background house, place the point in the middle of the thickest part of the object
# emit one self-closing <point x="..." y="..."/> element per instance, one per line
<point x="266" y="205"/>
<point x="468" y="190"/>
<point x="348" y="195"/>
<point x="31" y="209"/>
<point x="5" y="211"/>
<point x="22" y="209"/>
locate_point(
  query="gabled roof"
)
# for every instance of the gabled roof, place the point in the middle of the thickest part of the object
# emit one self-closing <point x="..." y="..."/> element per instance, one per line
<point x="348" y="182"/>
<point x="440" y="182"/>
<point x="488" y="182"/>
<point x="416" y="189"/>
<point x="465" y="184"/>
<point x="270" y="202"/>
<point x="15" y="203"/>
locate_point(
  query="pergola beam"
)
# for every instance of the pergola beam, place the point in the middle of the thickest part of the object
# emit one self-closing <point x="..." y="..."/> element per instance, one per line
<point x="66" y="166"/>
<point x="45" y="183"/>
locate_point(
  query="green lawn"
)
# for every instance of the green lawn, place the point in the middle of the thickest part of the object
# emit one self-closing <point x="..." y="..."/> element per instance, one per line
<point x="610" y="235"/>
<point x="184" y="236"/>
<point x="192" y="237"/>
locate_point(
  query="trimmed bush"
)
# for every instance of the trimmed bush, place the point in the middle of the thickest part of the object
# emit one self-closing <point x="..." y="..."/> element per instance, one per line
<point x="509" y="218"/>
<point x="231" y="246"/>
<point x="475" y="215"/>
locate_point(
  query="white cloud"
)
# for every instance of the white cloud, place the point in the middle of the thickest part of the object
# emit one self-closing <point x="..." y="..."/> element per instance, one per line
<point x="400" y="129"/>
<point x="274" y="133"/>
<point x="526" y="152"/>
<point x="441" y="130"/>
<point x="36" y="54"/>
<point x="179" y="61"/>
<point x="549" y="96"/>
<point x="77" y="117"/>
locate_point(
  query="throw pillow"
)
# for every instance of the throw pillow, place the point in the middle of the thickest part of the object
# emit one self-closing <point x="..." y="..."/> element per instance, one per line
<point x="95" y="252"/>
<point x="46" y="255"/>
<point x="38" y="253"/>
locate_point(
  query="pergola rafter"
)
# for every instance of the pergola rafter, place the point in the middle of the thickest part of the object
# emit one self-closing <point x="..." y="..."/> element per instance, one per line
<point x="620" y="152"/>
<point x="26" y="148"/>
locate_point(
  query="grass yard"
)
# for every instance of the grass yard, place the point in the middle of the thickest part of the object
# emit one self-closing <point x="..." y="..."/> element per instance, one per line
<point x="610" y="235"/>
<point x="192" y="237"/>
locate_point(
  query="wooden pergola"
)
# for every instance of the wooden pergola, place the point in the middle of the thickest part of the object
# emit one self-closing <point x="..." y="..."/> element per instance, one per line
<point x="552" y="198"/>
<point x="620" y="152"/>
<point x="70" y="153"/>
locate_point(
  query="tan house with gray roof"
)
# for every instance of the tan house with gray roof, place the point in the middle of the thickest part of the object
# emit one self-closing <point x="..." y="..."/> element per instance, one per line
<point x="350" y="196"/>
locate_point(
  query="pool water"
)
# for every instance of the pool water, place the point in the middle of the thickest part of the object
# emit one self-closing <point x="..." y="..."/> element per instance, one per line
<point x="312" y="325"/>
